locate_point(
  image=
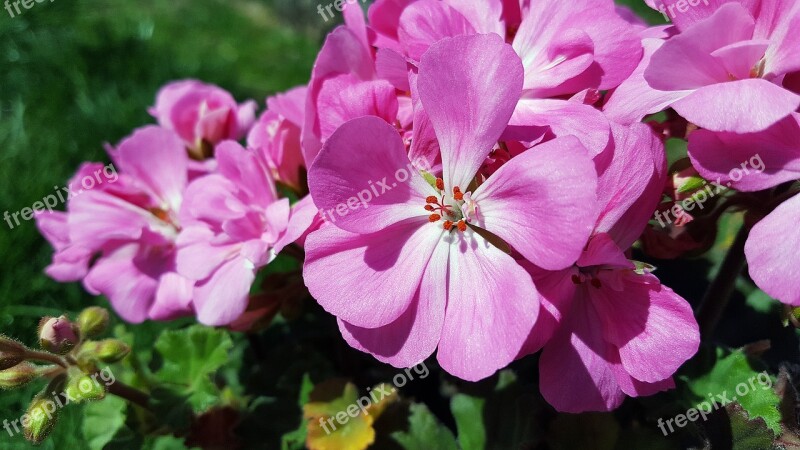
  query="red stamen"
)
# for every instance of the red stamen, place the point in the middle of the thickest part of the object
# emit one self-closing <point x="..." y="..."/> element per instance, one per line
<point x="462" y="226"/>
<point x="432" y="199"/>
<point x="429" y="208"/>
<point x="457" y="193"/>
<point x="434" y="218"/>
<point x="447" y="225"/>
<point x="439" y="184"/>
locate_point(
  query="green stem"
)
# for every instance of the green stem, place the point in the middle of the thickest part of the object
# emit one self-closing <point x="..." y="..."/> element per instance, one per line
<point x="46" y="357"/>
<point x="131" y="394"/>
<point x="719" y="292"/>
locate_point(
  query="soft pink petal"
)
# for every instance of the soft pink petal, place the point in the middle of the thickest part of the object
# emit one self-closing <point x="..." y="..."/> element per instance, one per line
<point x="603" y="251"/>
<point x="469" y="86"/>
<point x="173" y="297"/>
<point x="749" y="162"/>
<point x="223" y="297"/>
<point x="290" y="104"/>
<point x="632" y="176"/>
<point x="771" y="248"/>
<point x="556" y="293"/>
<point x="300" y="220"/>
<point x="743" y="106"/>
<point x="413" y="336"/>
<point x="653" y="327"/>
<point x="369" y="280"/>
<point x="686" y="15"/>
<point x="157" y="158"/>
<point x="392" y="67"/>
<point x="355" y="182"/>
<point x="428" y="21"/>
<point x="483" y="331"/>
<point x="579" y="357"/>
<point x="344" y="98"/>
<point x="533" y="117"/>
<point x="525" y="200"/>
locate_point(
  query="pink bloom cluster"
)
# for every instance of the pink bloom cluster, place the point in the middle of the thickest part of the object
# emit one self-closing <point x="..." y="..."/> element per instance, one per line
<point x="482" y="173"/>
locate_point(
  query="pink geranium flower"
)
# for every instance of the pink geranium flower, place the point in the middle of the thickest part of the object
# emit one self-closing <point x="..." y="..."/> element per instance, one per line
<point x="276" y="135"/>
<point x="234" y="224"/>
<point x="726" y="69"/>
<point x="202" y="115"/>
<point x="422" y="265"/>
<point x="608" y="329"/>
<point x="119" y="237"/>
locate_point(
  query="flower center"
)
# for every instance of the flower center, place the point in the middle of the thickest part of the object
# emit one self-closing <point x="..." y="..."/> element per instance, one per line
<point x="455" y="209"/>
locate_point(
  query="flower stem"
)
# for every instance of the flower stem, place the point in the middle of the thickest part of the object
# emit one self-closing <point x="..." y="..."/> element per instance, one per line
<point x="46" y="357"/>
<point x="721" y="288"/>
<point x="131" y="394"/>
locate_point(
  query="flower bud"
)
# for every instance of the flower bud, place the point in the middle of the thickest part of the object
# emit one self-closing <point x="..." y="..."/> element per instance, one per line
<point x="40" y="419"/>
<point x="11" y="353"/>
<point x="17" y="376"/>
<point x="93" y="321"/>
<point x="57" y="335"/>
<point x="108" y="351"/>
<point x="82" y="387"/>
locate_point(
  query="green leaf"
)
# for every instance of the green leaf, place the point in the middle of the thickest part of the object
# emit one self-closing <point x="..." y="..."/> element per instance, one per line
<point x="748" y="434"/>
<point x="468" y="412"/>
<point x="424" y="432"/>
<point x="191" y="356"/>
<point x="103" y="420"/>
<point x="164" y="443"/>
<point x="735" y="371"/>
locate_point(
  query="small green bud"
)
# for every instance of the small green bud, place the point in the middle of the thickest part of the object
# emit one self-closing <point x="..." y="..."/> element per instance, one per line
<point x="57" y="335"/>
<point x="17" y="376"/>
<point x="93" y="321"/>
<point x="40" y="419"/>
<point x="83" y="387"/>
<point x="11" y="353"/>
<point x="108" y="351"/>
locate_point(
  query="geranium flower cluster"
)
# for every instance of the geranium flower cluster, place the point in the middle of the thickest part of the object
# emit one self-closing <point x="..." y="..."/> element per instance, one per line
<point x="477" y="173"/>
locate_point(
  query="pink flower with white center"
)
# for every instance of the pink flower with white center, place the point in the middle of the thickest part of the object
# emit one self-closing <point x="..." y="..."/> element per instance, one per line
<point x="119" y="238"/>
<point x="202" y="115"/>
<point x="276" y="135"/>
<point x="610" y="330"/>
<point x="409" y="272"/>
<point x="757" y="162"/>
<point x="234" y="224"/>
<point x="729" y="68"/>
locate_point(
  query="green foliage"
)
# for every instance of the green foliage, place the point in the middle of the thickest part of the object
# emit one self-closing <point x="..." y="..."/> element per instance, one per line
<point x="191" y="356"/>
<point x="425" y="432"/>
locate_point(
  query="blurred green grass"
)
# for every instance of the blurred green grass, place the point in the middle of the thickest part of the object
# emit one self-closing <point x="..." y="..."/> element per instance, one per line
<point x="76" y="74"/>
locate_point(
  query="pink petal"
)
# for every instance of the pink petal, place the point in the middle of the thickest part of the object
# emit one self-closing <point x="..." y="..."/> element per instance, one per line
<point x="579" y="357"/>
<point x="740" y="58"/>
<point x="632" y="175"/>
<point x="603" y="251"/>
<point x="344" y="98"/>
<point x="362" y="180"/>
<point x="556" y="292"/>
<point x="223" y="297"/>
<point x="772" y="243"/>
<point x="653" y="327"/>
<point x="392" y="67"/>
<point x="382" y="270"/>
<point x="173" y="297"/>
<point x="468" y="126"/>
<point x="484" y="331"/>
<point x="524" y="201"/>
<point x="129" y="278"/>
<point x="413" y="336"/>
<point x="743" y="106"/>
<point x="301" y="219"/>
<point x="686" y="15"/>
<point x="749" y="162"/>
<point x="157" y="158"/>
<point x="426" y="22"/>
<point x="485" y="16"/>
<point x="564" y="118"/>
